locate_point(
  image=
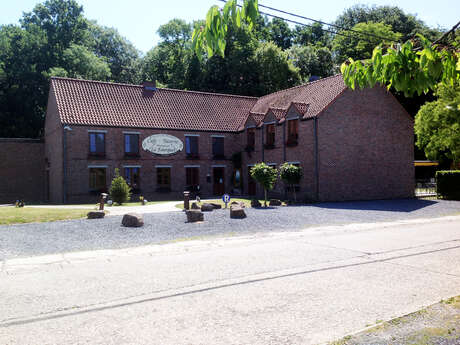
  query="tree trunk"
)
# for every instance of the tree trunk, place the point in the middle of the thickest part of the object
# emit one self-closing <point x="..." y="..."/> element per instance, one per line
<point x="265" y="201"/>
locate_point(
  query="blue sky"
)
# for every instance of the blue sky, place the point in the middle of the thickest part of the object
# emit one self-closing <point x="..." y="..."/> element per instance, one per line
<point x="138" y="20"/>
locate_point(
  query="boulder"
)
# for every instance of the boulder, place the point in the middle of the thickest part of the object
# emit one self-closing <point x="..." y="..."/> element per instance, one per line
<point x="237" y="203"/>
<point x="255" y="203"/>
<point x="96" y="214"/>
<point x="237" y="212"/>
<point x="275" y="202"/>
<point x="207" y="207"/>
<point x="132" y="220"/>
<point x="195" y="206"/>
<point x="216" y="205"/>
<point x="194" y="216"/>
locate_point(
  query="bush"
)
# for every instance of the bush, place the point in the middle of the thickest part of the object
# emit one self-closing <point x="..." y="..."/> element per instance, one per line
<point x="291" y="175"/>
<point x="448" y="184"/>
<point x="120" y="192"/>
<point x="266" y="176"/>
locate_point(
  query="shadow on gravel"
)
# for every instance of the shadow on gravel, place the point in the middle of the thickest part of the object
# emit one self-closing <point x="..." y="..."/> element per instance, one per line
<point x="396" y="205"/>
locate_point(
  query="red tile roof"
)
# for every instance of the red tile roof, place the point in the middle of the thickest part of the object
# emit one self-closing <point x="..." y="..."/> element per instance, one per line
<point x="318" y="94"/>
<point x="84" y="102"/>
<point x="93" y="103"/>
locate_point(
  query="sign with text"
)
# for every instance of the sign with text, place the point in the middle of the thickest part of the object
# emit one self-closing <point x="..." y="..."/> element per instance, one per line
<point x="162" y="144"/>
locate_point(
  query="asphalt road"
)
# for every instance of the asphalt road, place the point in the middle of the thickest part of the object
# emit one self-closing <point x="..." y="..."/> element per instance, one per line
<point x="304" y="287"/>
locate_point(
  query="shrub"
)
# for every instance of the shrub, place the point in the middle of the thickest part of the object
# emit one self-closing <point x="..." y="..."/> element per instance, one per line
<point x="291" y="175"/>
<point x="448" y="184"/>
<point x="120" y="192"/>
<point x="266" y="176"/>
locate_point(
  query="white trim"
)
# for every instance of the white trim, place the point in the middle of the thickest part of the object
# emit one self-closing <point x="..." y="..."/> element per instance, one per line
<point x="98" y="166"/>
<point x="97" y="131"/>
<point x="218" y="166"/>
<point x="191" y="166"/>
<point x="251" y="165"/>
<point x="127" y="132"/>
<point x="217" y="136"/>
<point x="270" y="123"/>
<point x="191" y="135"/>
<point x="293" y="163"/>
<point x="295" y="117"/>
<point x="163" y="166"/>
<point x="251" y="126"/>
<point x="271" y="164"/>
<point x="132" y="166"/>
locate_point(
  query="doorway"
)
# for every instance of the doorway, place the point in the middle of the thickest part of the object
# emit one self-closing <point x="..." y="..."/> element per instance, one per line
<point x="218" y="180"/>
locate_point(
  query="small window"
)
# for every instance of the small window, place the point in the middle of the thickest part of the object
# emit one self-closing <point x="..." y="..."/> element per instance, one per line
<point x="97" y="144"/>
<point x="218" y="147"/>
<point x="97" y="179"/>
<point x="192" y="178"/>
<point x="131" y="144"/>
<point x="270" y="132"/>
<point x="293" y="136"/>
<point x="191" y="146"/>
<point x="164" y="178"/>
<point x="251" y="139"/>
<point x="132" y="177"/>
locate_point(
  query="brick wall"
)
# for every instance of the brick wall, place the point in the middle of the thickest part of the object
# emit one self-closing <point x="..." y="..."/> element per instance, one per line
<point x="22" y="170"/>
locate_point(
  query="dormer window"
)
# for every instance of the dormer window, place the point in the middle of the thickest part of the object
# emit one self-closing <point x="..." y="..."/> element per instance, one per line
<point x="270" y="136"/>
<point x="293" y="132"/>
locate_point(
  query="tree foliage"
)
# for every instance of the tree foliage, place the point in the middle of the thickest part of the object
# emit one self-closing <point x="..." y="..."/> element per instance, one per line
<point x="312" y="60"/>
<point x="291" y="175"/>
<point x="266" y="176"/>
<point x="120" y="192"/>
<point x="437" y="124"/>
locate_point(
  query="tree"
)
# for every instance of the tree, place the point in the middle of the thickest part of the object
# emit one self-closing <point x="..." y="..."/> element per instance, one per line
<point x="278" y="32"/>
<point x="313" y="34"/>
<point x="406" y="24"/>
<point x="291" y="175"/>
<point x="120" y="192"/>
<point x="355" y="46"/>
<point x="266" y="176"/>
<point x="437" y="124"/>
<point x="276" y="71"/>
<point x="311" y="61"/>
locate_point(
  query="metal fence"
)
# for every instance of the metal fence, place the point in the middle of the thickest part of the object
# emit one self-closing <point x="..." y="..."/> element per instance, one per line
<point x="425" y="188"/>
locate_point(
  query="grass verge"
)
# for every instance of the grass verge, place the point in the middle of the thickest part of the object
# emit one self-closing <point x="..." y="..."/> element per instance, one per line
<point x="18" y="215"/>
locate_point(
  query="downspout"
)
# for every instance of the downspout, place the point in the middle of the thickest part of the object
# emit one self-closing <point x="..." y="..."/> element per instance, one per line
<point x="263" y="148"/>
<point x="284" y="141"/>
<point x="316" y="157"/>
<point x="64" y="165"/>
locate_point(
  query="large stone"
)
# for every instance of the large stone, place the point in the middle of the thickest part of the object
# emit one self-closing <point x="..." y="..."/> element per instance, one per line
<point x="194" y="216"/>
<point x="132" y="220"/>
<point x="195" y="206"/>
<point x="255" y="203"/>
<point x="216" y="205"/>
<point x="96" y="214"/>
<point x="207" y="207"/>
<point x="275" y="202"/>
<point x="237" y="212"/>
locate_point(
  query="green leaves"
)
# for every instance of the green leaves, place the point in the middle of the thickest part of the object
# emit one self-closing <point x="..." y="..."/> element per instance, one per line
<point x="212" y="35"/>
<point x="408" y="69"/>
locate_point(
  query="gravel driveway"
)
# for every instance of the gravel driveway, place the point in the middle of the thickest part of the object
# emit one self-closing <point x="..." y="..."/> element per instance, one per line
<point x="77" y="235"/>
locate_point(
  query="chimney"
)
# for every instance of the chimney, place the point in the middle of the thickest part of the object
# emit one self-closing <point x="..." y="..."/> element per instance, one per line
<point x="149" y="86"/>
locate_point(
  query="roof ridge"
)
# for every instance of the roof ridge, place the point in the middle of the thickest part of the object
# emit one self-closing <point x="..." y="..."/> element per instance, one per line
<point x="160" y="88"/>
<point x="301" y="85"/>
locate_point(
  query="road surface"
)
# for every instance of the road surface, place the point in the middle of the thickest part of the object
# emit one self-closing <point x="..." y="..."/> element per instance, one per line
<point x="306" y="287"/>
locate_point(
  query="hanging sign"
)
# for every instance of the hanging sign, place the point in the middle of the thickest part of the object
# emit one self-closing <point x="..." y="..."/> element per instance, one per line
<point x="162" y="144"/>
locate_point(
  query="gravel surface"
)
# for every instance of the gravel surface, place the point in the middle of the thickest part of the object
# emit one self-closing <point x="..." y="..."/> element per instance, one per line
<point x="436" y="325"/>
<point x="77" y="235"/>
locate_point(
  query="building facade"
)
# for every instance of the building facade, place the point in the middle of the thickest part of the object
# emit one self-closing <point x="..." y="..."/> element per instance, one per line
<point x="351" y="145"/>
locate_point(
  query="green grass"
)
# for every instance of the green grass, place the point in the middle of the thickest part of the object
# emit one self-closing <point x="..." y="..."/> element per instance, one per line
<point x="15" y="215"/>
<point x="247" y="202"/>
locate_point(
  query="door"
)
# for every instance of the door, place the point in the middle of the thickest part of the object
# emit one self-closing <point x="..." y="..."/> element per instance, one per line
<point x="251" y="184"/>
<point x="218" y="180"/>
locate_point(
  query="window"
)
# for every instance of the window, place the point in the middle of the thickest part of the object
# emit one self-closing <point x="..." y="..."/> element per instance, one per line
<point x="97" y="144"/>
<point x="251" y="139"/>
<point x="192" y="178"/>
<point x="132" y="177"/>
<point x="164" y="178"/>
<point x="270" y="133"/>
<point x="97" y="179"/>
<point x="293" y="126"/>
<point x="218" y="147"/>
<point x="131" y="144"/>
<point x="191" y="146"/>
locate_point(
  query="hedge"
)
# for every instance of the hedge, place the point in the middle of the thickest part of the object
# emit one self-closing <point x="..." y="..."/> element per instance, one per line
<point x="448" y="184"/>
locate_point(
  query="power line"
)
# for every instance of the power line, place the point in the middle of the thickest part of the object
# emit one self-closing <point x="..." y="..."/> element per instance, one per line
<point x="318" y="21"/>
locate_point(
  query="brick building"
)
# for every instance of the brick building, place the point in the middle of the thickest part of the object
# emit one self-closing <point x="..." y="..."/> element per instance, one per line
<point x="351" y="145"/>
